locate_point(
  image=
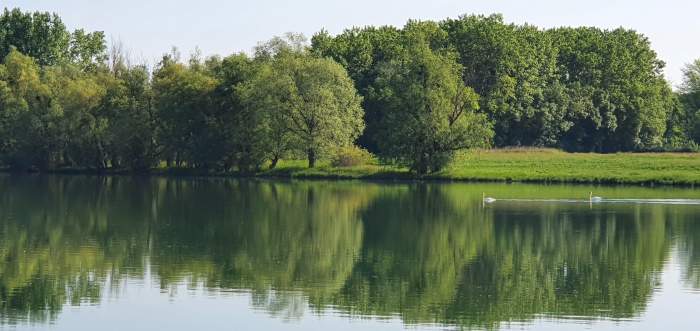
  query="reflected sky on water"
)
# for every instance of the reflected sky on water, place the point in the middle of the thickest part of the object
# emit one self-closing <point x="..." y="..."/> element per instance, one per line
<point x="138" y="253"/>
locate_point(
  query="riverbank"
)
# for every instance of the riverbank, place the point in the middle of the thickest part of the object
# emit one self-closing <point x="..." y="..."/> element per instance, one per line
<point x="510" y="165"/>
<point x="531" y="165"/>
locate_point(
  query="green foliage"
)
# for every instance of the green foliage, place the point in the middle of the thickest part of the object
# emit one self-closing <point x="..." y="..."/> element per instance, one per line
<point x="44" y="37"/>
<point x="413" y="95"/>
<point x="314" y="98"/>
<point x="31" y="122"/>
<point x="513" y="69"/>
<point x="428" y="112"/>
<point x="132" y="120"/>
<point x="263" y="129"/>
<point x="691" y="78"/>
<point x="350" y="156"/>
<point x="361" y="51"/>
<point x="236" y="134"/>
<point x="183" y="97"/>
<point x="582" y="89"/>
<point x="620" y="99"/>
<point x="689" y="96"/>
<point x="54" y="85"/>
<point x="84" y="127"/>
<point x="87" y="50"/>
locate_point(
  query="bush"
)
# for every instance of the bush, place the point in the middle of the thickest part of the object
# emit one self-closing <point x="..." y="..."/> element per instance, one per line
<point x="688" y="147"/>
<point x="528" y="149"/>
<point x="677" y="147"/>
<point x="351" y="156"/>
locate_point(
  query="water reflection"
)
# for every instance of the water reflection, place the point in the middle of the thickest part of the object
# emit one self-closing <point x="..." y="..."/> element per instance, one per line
<point x="429" y="253"/>
<point x="689" y="233"/>
<point x="564" y="261"/>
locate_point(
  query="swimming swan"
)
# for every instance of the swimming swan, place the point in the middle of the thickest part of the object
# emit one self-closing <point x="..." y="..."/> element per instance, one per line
<point x="591" y="198"/>
<point x="486" y="199"/>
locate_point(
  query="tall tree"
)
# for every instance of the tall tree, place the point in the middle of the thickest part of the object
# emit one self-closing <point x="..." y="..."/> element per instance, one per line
<point x="128" y="105"/>
<point x="361" y="51"/>
<point x="87" y="50"/>
<point x="263" y="131"/>
<point x="620" y="99"/>
<point x="690" y="98"/>
<point x="44" y="37"/>
<point x="234" y="126"/>
<point x="317" y="101"/>
<point x="83" y="125"/>
<point x="183" y="95"/>
<point x="429" y="112"/>
<point x="30" y="121"/>
<point x="513" y="69"/>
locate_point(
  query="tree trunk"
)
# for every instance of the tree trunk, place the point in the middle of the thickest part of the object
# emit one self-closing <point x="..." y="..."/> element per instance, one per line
<point x="115" y="163"/>
<point x="273" y="162"/>
<point x="311" y="153"/>
<point x="422" y="169"/>
<point x="422" y="166"/>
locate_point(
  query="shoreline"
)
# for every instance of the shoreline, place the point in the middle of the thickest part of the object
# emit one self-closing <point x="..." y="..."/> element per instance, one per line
<point x="532" y="166"/>
<point x="368" y="178"/>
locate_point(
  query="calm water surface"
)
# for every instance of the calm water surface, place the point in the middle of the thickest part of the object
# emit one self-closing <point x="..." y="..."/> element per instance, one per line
<point x="122" y="253"/>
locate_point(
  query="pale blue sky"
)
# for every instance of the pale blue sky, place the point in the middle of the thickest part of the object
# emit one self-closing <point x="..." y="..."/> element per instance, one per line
<point x="150" y="28"/>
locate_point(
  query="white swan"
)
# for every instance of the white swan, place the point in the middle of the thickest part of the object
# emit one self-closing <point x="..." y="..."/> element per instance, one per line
<point x="486" y="199"/>
<point x="591" y="198"/>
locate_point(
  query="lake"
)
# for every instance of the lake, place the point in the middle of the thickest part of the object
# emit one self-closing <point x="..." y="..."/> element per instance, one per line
<point x="149" y="253"/>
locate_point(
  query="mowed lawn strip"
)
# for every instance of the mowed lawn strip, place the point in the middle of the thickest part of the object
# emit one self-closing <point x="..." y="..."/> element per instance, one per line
<point x="529" y="165"/>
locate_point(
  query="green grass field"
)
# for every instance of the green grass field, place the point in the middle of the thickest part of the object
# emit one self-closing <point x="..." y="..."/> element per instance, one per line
<point x="504" y="165"/>
<point x="529" y="165"/>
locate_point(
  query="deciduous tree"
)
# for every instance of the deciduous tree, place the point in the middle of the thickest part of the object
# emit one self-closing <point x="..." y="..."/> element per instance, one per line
<point x="429" y="112"/>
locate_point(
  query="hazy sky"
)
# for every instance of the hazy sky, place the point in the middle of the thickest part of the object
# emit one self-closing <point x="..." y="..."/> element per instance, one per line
<point x="151" y="27"/>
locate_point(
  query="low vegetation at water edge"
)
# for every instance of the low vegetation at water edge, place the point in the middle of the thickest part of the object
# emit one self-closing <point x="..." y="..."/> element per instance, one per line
<point x="528" y="165"/>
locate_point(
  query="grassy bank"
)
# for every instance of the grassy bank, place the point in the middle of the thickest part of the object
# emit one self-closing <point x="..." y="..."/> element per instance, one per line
<point x="517" y="165"/>
<point x="530" y="165"/>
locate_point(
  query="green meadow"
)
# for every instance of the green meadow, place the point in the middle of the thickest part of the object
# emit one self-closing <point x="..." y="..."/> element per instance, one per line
<point x="526" y="165"/>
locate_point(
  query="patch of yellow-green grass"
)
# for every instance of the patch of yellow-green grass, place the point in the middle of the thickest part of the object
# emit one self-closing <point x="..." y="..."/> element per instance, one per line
<point x="511" y="164"/>
<point x="526" y="165"/>
<point x="555" y="166"/>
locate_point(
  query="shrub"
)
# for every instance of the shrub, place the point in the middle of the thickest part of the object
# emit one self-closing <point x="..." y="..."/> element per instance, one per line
<point x="685" y="147"/>
<point x="350" y="156"/>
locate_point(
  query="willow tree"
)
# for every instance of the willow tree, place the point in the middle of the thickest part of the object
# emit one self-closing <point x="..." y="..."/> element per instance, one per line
<point x="231" y="137"/>
<point x="183" y="96"/>
<point x="429" y="112"/>
<point x="314" y="99"/>
<point x="128" y="105"/>
<point x="30" y="122"/>
<point x="262" y="131"/>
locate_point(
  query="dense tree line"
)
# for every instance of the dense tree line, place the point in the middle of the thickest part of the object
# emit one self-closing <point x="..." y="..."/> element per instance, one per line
<point x="582" y="89"/>
<point x="414" y="96"/>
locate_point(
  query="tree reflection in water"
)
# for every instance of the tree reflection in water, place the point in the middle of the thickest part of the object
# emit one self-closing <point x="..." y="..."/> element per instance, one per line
<point x="428" y="253"/>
